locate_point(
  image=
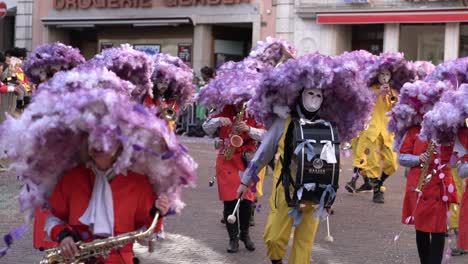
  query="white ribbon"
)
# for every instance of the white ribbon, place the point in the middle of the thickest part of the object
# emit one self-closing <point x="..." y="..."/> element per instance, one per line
<point x="99" y="215"/>
<point x="328" y="152"/>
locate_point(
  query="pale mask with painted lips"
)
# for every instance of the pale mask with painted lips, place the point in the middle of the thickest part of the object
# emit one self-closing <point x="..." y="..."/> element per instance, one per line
<point x="162" y="86"/>
<point x="312" y="99"/>
<point x="384" y="76"/>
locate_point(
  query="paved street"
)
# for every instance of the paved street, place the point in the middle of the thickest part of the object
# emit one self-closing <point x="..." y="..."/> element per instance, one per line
<point x="364" y="232"/>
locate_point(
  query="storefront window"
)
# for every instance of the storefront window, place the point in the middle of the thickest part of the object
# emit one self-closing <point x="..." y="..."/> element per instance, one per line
<point x="423" y="42"/>
<point x="463" y="40"/>
<point x="368" y="37"/>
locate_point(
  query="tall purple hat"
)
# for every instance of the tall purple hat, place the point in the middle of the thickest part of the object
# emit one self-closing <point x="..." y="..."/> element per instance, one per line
<point x="396" y="64"/>
<point x="281" y="88"/>
<point x="48" y="59"/>
<point x="422" y="68"/>
<point x="56" y="125"/>
<point x="415" y="100"/>
<point x="455" y="71"/>
<point x="130" y="65"/>
<point x="235" y="82"/>
<point x="272" y="49"/>
<point x="178" y="73"/>
<point x="441" y="124"/>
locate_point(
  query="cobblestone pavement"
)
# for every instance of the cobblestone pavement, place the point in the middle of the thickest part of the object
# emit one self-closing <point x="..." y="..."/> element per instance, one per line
<point x="364" y="232"/>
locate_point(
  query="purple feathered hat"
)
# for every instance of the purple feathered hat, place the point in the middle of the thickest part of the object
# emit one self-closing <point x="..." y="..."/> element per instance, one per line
<point x="54" y="127"/>
<point x="415" y="100"/>
<point x="281" y="89"/>
<point x="48" y="59"/>
<point x="130" y="65"/>
<point x="422" y="68"/>
<point x="455" y="71"/>
<point x="441" y="124"/>
<point x="173" y="69"/>
<point x="276" y="46"/>
<point x="235" y="82"/>
<point x="396" y="64"/>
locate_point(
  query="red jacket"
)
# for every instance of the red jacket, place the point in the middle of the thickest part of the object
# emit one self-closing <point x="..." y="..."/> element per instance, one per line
<point x="430" y="212"/>
<point x="463" y="220"/>
<point x="133" y="198"/>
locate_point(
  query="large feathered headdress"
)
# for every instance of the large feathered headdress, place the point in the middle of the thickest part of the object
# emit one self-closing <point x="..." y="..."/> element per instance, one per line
<point x="130" y="65"/>
<point x="178" y="73"/>
<point x="415" y="100"/>
<point x="48" y="59"/>
<point x="441" y="124"/>
<point x="281" y="89"/>
<point x="396" y="64"/>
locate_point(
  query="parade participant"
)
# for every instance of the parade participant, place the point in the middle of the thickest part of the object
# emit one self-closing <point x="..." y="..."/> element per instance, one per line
<point x="239" y="133"/>
<point x="16" y="77"/>
<point x="273" y="51"/>
<point x="173" y="87"/>
<point x="446" y="124"/>
<point x="48" y="59"/>
<point x="134" y="156"/>
<point x="385" y="78"/>
<point x="422" y="69"/>
<point x="415" y="100"/>
<point x="130" y="65"/>
<point x="312" y="89"/>
<point x="41" y="65"/>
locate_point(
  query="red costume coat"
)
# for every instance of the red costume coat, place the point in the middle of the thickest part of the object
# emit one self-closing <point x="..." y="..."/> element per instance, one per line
<point x="150" y="102"/>
<point x="227" y="171"/>
<point x="430" y="212"/>
<point x="463" y="220"/>
<point x="132" y="195"/>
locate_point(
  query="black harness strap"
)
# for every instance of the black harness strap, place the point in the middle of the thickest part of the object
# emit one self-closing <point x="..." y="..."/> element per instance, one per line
<point x="286" y="177"/>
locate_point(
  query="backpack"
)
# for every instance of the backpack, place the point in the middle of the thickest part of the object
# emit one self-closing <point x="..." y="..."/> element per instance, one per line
<point x="316" y="179"/>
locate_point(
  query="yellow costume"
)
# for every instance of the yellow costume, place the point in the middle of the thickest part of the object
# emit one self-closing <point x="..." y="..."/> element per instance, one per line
<point x="455" y="208"/>
<point x="261" y="176"/>
<point x="279" y="225"/>
<point x="375" y="143"/>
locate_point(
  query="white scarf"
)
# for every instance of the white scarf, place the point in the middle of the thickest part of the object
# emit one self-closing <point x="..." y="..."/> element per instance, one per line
<point x="99" y="215"/>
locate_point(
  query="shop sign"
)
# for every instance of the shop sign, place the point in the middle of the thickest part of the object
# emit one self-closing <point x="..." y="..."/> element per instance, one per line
<point x="86" y="4"/>
<point x="172" y="3"/>
<point x="184" y="52"/>
<point x="3" y="9"/>
<point x="150" y="49"/>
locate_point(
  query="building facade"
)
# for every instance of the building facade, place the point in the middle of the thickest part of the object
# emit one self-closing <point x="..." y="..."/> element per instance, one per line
<point x="434" y="30"/>
<point x="201" y="32"/>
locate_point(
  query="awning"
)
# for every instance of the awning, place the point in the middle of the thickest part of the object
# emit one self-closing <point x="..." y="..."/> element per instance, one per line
<point x="393" y="17"/>
<point x="88" y="23"/>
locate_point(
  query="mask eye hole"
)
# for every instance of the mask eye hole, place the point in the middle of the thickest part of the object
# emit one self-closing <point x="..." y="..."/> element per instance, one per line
<point x="319" y="95"/>
<point x="311" y="93"/>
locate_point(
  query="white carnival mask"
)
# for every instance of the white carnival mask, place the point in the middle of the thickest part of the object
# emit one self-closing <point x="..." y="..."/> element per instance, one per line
<point x="312" y="99"/>
<point x="162" y="85"/>
<point x="384" y="76"/>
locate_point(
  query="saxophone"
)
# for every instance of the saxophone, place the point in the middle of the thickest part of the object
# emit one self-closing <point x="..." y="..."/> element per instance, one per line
<point x="235" y="141"/>
<point x="98" y="247"/>
<point x="424" y="178"/>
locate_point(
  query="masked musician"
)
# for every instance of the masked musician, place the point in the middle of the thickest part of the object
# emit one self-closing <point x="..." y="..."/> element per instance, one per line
<point x="173" y="87"/>
<point x="430" y="189"/>
<point x="43" y="63"/>
<point x="234" y="122"/>
<point x="462" y="170"/>
<point x="300" y="93"/>
<point x="385" y="77"/>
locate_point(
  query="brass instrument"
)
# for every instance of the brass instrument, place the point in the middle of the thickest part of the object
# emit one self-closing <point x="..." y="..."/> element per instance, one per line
<point x="235" y="141"/>
<point x="424" y="178"/>
<point x="390" y="95"/>
<point x="168" y="114"/>
<point x="98" y="247"/>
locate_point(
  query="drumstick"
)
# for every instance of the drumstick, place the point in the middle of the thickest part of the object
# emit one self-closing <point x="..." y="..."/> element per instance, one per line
<point x="232" y="217"/>
<point x="328" y="238"/>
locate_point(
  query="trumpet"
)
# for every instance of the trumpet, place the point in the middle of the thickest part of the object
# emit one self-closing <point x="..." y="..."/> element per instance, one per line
<point x="423" y="179"/>
<point x="390" y="95"/>
<point x="98" y="247"/>
<point x="168" y="113"/>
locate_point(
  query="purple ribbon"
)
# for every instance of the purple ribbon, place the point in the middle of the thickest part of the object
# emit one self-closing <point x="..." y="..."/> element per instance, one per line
<point x="14" y="234"/>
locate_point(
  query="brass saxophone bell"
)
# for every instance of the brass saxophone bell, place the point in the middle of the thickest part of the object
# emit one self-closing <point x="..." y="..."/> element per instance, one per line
<point x="236" y="141"/>
<point x="169" y="114"/>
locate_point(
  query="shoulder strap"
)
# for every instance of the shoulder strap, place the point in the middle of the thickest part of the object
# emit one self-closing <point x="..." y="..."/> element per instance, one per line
<point x="285" y="177"/>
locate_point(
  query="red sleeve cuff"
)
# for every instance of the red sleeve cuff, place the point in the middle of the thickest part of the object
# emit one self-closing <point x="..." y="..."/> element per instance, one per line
<point x="56" y="231"/>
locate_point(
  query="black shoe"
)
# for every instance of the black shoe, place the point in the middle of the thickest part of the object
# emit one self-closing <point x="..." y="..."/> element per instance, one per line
<point x="233" y="245"/>
<point x="249" y="244"/>
<point x="365" y="187"/>
<point x="277" y="261"/>
<point x="378" y="197"/>
<point x="351" y="186"/>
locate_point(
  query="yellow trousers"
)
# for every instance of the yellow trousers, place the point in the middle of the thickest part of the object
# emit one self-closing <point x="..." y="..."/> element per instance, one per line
<point x="372" y="154"/>
<point x="455" y="208"/>
<point x="279" y="226"/>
